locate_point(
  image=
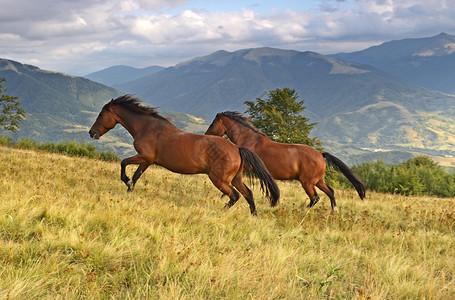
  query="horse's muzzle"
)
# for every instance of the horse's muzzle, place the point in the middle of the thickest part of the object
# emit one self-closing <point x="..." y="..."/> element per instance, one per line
<point x="94" y="134"/>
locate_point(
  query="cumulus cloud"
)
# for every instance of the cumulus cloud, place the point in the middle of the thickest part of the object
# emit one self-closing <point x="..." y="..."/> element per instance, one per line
<point x="82" y="36"/>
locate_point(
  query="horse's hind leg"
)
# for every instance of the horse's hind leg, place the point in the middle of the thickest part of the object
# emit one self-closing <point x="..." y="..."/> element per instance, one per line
<point x="233" y="198"/>
<point x="226" y="189"/>
<point x="310" y="191"/>
<point x="314" y="200"/>
<point x="323" y="186"/>
<point x="245" y="191"/>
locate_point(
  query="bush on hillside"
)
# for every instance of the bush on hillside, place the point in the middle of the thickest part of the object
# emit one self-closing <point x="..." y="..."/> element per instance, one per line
<point x="417" y="176"/>
<point x="68" y="148"/>
<point x="6" y="140"/>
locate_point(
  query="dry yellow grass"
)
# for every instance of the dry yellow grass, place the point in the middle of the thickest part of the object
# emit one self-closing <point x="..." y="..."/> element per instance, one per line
<point x="69" y="230"/>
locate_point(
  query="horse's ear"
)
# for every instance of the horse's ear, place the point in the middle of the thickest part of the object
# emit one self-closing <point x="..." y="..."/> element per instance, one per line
<point x="109" y="104"/>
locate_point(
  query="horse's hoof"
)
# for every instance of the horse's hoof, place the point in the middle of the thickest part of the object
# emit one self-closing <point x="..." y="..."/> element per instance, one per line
<point x="130" y="185"/>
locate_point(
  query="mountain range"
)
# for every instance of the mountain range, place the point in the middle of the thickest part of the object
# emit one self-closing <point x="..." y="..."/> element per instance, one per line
<point x="118" y="74"/>
<point x="426" y="62"/>
<point x="360" y="106"/>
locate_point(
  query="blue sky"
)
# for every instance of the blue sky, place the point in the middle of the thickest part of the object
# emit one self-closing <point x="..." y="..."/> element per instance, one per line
<point x="80" y="37"/>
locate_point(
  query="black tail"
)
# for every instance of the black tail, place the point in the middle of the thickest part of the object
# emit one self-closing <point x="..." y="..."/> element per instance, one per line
<point x="268" y="184"/>
<point x="343" y="168"/>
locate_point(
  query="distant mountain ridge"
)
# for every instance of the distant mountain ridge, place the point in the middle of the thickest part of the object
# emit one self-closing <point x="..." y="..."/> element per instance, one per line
<point x="121" y="74"/>
<point x="427" y="62"/>
<point x="224" y="80"/>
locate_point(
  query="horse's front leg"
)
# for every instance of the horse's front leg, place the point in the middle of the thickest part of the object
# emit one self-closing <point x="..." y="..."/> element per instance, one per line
<point x="136" y="159"/>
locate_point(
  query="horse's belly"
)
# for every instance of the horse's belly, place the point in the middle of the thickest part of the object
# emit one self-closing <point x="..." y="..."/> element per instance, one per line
<point x="284" y="173"/>
<point x="181" y="167"/>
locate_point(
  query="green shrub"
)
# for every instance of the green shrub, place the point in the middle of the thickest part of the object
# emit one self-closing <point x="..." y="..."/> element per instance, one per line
<point x="417" y="176"/>
<point x="25" y="143"/>
<point x="68" y="148"/>
<point x="5" y="140"/>
<point x="108" y="156"/>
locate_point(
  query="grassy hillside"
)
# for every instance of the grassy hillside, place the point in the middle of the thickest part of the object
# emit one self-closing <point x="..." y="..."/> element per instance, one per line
<point x="61" y="108"/>
<point x="68" y="229"/>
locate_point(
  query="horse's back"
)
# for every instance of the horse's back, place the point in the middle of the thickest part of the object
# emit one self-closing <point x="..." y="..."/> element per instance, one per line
<point x="290" y="161"/>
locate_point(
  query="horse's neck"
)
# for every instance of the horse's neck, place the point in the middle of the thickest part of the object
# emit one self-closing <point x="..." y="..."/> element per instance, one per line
<point x="138" y="124"/>
<point x="243" y="136"/>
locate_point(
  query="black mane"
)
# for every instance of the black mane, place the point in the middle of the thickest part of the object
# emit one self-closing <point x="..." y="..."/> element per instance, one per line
<point x="239" y="118"/>
<point x="136" y="105"/>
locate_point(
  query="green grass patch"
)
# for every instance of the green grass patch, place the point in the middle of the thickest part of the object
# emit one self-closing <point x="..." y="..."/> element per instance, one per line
<point x="69" y="229"/>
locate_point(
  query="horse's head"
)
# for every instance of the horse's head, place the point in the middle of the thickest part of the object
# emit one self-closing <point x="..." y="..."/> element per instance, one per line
<point x="217" y="127"/>
<point x="106" y="121"/>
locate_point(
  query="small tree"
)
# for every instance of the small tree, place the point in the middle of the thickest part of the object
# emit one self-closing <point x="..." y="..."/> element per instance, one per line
<point x="10" y="111"/>
<point x="279" y="117"/>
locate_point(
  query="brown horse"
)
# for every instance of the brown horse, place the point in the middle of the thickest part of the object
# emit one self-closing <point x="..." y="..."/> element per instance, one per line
<point x="158" y="141"/>
<point x="284" y="161"/>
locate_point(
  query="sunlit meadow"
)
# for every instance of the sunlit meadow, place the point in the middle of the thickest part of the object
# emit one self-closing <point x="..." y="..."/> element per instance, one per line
<point x="69" y="229"/>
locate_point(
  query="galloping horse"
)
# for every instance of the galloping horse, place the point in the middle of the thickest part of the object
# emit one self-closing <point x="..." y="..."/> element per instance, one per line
<point x="284" y="161"/>
<point x="158" y="141"/>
